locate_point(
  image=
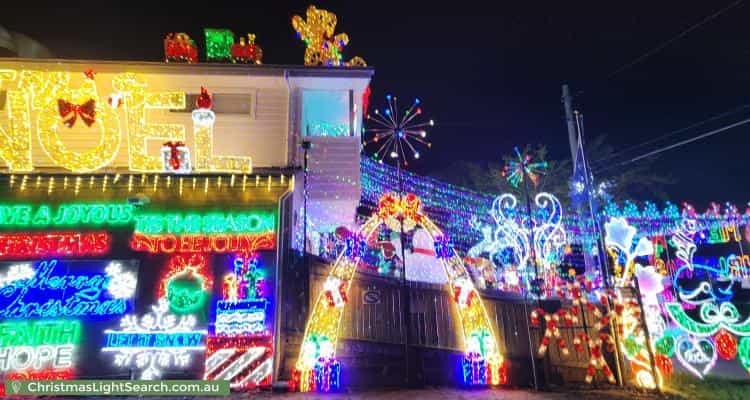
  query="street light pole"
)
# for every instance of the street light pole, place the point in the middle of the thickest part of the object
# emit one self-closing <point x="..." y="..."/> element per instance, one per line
<point x="404" y="284"/>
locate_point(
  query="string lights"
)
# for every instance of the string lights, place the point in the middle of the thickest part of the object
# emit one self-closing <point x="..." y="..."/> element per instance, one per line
<point x="203" y="127"/>
<point x="15" y="146"/>
<point x="136" y="103"/>
<point x="394" y="134"/>
<point x="317" y="368"/>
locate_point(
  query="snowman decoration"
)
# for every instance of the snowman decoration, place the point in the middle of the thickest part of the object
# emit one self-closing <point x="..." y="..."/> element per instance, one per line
<point x="422" y="263"/>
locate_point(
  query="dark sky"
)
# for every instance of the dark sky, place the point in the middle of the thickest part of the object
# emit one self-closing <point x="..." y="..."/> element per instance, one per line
<point x="489" y="74"/>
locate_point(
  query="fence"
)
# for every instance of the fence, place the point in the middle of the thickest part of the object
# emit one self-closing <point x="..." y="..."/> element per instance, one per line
<point x="371" y="348"/>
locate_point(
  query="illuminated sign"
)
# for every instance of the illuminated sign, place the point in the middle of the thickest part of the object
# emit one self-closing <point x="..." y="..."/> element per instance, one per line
<point x="216" y="243"/>
<point x="253" y="222"/>
<point x="38" y="345"/>
<point x="46" y="105"/>
<point x="53" y="244"/>
<point x="69" y="289"/>
<point x="240" y="317"/>
<point x="185" y="340"/>
<point x="158" y="340"/>
<point x="14" y="216"/>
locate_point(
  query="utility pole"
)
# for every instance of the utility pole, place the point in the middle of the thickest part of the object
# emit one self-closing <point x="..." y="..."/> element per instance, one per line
<point x="405" y="295"/>
<point x="570" y="122"/>
<point x="574" y="122"/>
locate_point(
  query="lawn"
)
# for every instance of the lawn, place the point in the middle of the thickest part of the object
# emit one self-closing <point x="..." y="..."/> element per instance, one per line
<point x="690" y="387"/>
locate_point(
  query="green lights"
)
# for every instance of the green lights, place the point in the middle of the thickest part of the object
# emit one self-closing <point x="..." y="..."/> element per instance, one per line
<point x="193" y="223"/>
<point x="37" y="333"/>
<point x="218" y="44"/>
<point x="14" y="216"/>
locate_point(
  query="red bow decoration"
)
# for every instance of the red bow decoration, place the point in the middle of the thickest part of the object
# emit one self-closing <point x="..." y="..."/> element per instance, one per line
<point x="70" y="112"/>
<point x="174" y="154"/>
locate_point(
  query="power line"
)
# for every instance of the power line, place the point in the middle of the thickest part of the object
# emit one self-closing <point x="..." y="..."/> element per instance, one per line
<point x="678" y="144"/>
<point x="674" y="132"/>
<point x="679" y="36"/>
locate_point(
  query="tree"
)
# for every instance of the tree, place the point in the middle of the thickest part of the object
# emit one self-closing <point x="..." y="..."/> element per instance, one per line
<point x="632" y="181"/>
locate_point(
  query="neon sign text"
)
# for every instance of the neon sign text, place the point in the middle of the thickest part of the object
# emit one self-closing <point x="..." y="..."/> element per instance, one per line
<point x="23" y="357"/>
<point x="38" y="216"/>
<point x="51" y="244"/>
<point x="48" y="332"/>
<point x="255" y="222"/>
<point x="38" y="344"/>
<point x="220" y="243"/>
<point x="48" y="295"/>
<point x="184" y="340"/>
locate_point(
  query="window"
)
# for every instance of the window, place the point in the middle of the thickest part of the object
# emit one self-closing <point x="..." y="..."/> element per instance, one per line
<point x="327" y="113"/>
<point x="223" y="103"/>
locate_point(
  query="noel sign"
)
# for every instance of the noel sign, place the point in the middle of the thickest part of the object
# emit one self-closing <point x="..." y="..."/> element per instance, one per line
<point x="45" y="105"/>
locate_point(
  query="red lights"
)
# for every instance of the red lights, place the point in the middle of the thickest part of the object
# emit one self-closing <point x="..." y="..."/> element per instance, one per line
<point x="215" y="243"/>
<point x="41" y="375"/>
<point x="179" y="263"/>
<point x="53" y="244"/>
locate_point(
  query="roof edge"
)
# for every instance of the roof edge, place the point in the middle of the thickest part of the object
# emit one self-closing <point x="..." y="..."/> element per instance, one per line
<point x="209" y="68"/>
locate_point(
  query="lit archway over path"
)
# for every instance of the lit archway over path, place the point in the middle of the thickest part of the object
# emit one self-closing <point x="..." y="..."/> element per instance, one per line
<point x="317" y="368"/>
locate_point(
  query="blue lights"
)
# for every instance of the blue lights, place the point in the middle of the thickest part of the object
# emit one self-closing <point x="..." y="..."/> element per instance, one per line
<point x="355" y="247"/>
<point x="444" y="247"/>
<point x="327" y="375"/>
<point x="474" y="369"/>
<point x="240" y="317"/>
<point x="185" y="340"/>
<point x="80" y="292"/>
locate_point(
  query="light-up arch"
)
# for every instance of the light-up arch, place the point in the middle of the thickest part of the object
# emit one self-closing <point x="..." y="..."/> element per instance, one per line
<point x="317" y="367"/>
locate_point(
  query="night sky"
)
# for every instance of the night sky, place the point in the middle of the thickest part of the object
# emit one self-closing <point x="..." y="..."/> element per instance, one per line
<point x="489" y="75"/>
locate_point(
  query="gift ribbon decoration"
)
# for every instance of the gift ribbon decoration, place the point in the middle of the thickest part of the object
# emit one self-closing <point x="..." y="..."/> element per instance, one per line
<point x="70" y="112"/>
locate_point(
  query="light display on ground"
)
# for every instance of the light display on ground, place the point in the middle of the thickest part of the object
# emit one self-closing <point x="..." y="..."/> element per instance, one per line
<point x="317" y="367"/>
<point x="156" y="342"/>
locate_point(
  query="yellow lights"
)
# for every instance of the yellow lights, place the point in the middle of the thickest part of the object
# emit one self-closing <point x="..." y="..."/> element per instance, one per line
<point x="49" y="99"/>
<point x="137" y="101"/>
<point x="203" y="129"/>
<point x="317" y="31"/>
<point x="15" y="137"/>
<point x="43" y="183"/>
<point x="323" y="325"/>
<point x="79" y="131"/>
